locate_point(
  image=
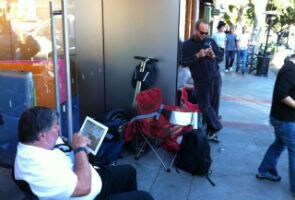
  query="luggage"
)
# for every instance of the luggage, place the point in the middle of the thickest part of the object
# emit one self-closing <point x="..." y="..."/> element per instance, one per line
<point x="17" y="94"/>
<point x="16" y="91"/>
<point x="43" y="76"/>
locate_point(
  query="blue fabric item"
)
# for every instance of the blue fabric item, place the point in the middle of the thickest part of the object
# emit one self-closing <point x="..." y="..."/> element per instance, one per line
<point x="8" y="139"/>
<point x="241" y="60"/>
<point x="284" y="137"/>
<point x="117" y="122"/>
<point x="107" y="154"/>
<point x="111" y="149"/>
<point x="76" y="116"/>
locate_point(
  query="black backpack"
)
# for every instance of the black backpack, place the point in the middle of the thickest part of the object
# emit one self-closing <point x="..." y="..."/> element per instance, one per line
<point x="147" y="77"/>
<point x="193" y="155"/>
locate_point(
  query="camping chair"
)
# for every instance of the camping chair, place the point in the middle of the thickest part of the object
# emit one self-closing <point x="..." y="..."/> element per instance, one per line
<point x="159" y="125"/>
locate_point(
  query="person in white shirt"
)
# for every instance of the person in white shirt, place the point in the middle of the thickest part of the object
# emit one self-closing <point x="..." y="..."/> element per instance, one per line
<point x="243" y="40"/>
<point x="220" y="37"/>
<point x="52" y="174"/>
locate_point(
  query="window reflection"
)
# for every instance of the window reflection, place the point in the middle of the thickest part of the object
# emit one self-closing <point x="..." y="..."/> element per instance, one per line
<point x="8" y="39"/>
<point x="25" y="30"/>
<point x="26" y="45"/>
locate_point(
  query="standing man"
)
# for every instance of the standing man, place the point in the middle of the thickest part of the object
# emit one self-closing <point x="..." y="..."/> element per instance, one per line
<point x="242" y="46"/>
<point x="230" y="48"/>
<point x="282" y="118"/>
<point x="219" y="37"/>
<point x="201" y="54"/>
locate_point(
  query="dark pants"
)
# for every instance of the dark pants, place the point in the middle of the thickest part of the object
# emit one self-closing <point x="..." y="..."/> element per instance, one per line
<point x="208" y="97"/>
<point x="216" y="93"/>
<point x="119" y="183"/>
<point x="229" y="59"/>
<point x="222" y="53"/>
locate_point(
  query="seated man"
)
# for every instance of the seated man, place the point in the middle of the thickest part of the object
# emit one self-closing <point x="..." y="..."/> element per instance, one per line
<point x="52" y="174"/>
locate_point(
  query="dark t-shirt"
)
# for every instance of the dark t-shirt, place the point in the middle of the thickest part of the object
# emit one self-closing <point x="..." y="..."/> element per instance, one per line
<point x="201" y="68"/>
<point x="284" y="86"/>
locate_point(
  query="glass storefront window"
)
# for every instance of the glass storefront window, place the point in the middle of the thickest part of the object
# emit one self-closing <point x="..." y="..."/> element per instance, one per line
<point x="26" y="43"/>
<point x="26" y="65"/>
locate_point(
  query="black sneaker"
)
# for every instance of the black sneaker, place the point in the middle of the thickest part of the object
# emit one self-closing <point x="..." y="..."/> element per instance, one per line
<point x="213" y="137"/>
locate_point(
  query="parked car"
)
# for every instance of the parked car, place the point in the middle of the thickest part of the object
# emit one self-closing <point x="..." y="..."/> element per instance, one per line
<point x="42" y="34"/>
<point x="33" y="44"/>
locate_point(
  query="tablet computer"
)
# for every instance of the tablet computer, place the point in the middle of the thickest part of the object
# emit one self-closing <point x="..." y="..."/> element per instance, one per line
<point x="95" y="132"/>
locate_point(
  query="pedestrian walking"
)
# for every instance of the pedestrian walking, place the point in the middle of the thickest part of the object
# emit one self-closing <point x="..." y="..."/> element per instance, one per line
<point x="242" y="45"/>
<point x="230" y="48"/>
<point x="282" y="118"/>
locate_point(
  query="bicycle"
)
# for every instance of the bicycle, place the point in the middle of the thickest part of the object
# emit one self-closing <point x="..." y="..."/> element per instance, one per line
<point x="252" y="57"/>
<point x="252" y="60"/>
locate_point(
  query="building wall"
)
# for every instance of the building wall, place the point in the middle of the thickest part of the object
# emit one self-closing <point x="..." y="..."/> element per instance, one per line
<point x="142" y="28"/>
<point x="89" y="51"/>
<point x="108" y="41"/>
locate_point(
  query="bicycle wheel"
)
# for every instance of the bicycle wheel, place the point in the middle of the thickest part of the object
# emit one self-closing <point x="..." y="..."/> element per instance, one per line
<point x="249" y="61"/>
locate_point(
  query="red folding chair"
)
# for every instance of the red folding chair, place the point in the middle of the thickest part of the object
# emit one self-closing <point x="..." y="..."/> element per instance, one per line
<point x="159" y="125"/>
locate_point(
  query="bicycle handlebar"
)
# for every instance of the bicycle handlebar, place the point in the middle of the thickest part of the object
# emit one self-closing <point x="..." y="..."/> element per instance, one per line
<point x="146" y="58"/>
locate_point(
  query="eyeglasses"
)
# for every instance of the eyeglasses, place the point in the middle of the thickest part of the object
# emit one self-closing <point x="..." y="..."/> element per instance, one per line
<point x="203" y="33"/>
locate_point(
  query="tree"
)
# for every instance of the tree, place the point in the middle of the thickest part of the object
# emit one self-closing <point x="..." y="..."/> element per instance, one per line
<point x="247" y="12"/>
<point x="252" y="13"/>
<point x="282" y="22"/>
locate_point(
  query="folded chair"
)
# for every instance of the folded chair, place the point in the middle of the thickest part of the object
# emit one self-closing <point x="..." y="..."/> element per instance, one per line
<point x="159" y="125"/>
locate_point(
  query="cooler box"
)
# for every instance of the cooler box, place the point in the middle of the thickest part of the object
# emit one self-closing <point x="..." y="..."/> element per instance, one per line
<point x="16" y="91"/>
<point x="16" y="95"/>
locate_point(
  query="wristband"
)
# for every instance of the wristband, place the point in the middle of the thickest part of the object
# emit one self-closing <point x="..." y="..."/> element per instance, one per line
<point x="77" y="150"/>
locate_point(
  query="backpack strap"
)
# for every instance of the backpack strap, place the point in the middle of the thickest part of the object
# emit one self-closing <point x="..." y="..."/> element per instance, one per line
<point x="209" y="179"/>
<point x="210" y="171"/>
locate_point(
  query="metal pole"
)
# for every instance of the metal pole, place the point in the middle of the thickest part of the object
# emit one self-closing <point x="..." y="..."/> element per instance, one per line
<point x="68" y="71"/>
<point x="208" y="10"/>
<point x="55" y="62"/>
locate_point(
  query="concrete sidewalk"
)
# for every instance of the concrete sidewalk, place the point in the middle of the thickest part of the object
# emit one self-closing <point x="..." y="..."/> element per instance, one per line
<point x="245" y="105"/>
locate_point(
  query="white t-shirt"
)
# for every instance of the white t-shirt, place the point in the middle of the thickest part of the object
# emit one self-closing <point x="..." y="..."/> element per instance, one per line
<point x="243" y="40"/>
<point x="50" y="173"/>
<point x="219" y="38"/>
<point x="184" y="77"/>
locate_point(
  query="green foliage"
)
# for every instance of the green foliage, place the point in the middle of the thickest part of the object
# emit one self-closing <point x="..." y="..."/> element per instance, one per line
<point x="231" y="8"/>
<point x="244" y="12"/>
<point x="229" y="17"/>
<point x="282" y="22"/>
<point x="250" y="12"/>
<point x="271" y="5"/>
